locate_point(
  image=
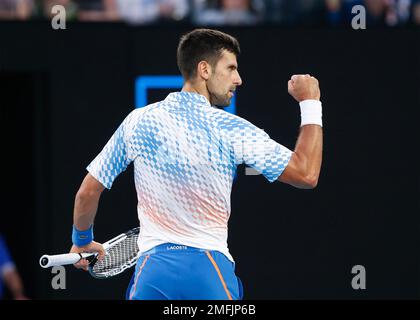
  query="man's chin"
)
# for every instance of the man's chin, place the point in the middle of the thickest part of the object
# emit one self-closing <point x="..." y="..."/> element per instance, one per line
<point x="222" y="104"/>
<point x="220" y="101"/>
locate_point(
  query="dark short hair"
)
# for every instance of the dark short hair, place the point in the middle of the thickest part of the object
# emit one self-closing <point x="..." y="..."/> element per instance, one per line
<point x="203" y="44"/>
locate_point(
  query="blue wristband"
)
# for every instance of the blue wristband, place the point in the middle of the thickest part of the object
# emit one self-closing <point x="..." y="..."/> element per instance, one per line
<point x="82" y="238"/>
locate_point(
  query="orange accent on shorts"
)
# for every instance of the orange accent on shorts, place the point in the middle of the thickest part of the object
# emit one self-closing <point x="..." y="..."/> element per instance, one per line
<point x="137" y="278"/>
<point x="219" y="273"/>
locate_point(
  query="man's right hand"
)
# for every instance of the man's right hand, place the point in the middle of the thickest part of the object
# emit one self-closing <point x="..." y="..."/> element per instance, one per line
<point x="91" y="247"/>
<point x="304" y="87"/>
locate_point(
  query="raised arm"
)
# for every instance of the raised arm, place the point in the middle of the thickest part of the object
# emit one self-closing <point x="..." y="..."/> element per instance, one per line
<point x="304" y="166"/>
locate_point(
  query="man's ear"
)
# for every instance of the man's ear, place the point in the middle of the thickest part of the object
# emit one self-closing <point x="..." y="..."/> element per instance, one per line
<point x="204" y="70"/>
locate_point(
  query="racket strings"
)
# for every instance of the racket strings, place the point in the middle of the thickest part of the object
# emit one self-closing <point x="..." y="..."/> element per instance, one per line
<point x="119" y="257"/>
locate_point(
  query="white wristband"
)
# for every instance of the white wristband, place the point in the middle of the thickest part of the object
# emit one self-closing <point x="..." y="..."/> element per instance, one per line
<point x="311" y="112"/>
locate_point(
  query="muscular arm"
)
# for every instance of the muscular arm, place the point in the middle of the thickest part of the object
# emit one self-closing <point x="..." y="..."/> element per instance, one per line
<point x="115" y="154"/>
<point x="86" y="202"/>
<point x="304" y="166"/>
<point x="85" y="207"/>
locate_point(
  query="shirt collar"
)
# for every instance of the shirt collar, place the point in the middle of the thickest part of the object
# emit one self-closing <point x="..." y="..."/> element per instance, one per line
<point x="188" y="98"/>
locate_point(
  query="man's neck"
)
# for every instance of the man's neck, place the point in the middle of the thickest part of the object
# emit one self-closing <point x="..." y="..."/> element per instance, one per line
<point x="200" y="89"/>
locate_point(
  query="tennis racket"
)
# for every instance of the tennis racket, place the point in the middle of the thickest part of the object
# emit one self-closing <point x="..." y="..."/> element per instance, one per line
<point x="121" y="253"/>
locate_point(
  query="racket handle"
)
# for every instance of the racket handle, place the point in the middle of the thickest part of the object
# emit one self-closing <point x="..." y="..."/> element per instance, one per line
<point x="47" y="261"/>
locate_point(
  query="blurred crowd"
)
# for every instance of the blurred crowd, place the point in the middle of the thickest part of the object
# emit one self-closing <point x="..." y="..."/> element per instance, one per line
<point x="220" y="12"/>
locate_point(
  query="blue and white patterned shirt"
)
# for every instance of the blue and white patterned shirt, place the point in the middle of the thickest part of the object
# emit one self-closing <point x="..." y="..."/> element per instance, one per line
<point x="185" y="154"/>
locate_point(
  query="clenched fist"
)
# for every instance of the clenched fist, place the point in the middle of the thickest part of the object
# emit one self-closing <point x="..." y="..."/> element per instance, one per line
<point x="304" y="87"/>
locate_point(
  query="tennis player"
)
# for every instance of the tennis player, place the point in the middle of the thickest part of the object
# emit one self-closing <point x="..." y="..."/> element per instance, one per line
<point x="185" y="152"/>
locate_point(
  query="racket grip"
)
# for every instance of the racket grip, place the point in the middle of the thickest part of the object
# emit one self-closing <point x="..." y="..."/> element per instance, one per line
<point x="47" y="261"/>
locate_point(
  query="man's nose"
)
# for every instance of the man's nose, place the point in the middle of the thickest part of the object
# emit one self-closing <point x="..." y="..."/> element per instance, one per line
<point x="238" y="80"/>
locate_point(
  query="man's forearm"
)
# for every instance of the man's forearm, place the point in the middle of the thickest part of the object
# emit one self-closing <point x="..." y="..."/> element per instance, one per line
<point x="309" y="150"/>
<point x="86" y="202"/>
<point x="85" y="207"/>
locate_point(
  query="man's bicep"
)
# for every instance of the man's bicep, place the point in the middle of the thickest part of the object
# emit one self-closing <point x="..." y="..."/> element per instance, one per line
<point x="293" y="174"/>
<point x="93" y="184"/>
<point x="290" y="172"/>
